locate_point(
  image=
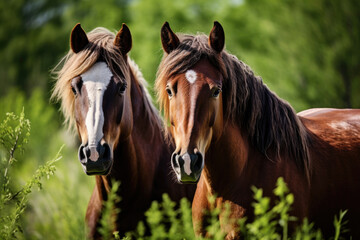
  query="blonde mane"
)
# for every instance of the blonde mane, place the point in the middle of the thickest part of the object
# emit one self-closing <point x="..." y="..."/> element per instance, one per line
<point x="101" y="47"/>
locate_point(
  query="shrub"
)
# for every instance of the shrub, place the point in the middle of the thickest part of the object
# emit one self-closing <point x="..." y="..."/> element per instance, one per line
<point x="109" y="214"/>
<point x="167" y="221"/>
<point x="14" y="134"/>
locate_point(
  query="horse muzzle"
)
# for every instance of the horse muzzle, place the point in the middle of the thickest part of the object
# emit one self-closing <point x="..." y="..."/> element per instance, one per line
<point x="95" y="160"/>
<point x="187" y="167"/>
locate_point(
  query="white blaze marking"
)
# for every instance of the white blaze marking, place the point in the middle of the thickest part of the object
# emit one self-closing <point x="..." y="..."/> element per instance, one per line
<point x="96" y="80"/>
<point x="191" y="76"/>
<point x="187" y="162"/>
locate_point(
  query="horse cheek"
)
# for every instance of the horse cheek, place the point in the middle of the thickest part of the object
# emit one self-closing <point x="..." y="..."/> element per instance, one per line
<point x="218" y="119"/>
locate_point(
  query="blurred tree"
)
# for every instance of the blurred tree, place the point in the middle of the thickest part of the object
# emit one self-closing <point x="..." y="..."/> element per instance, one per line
<point x="29" y="42"/>
<point x="91" y="14"/>
<point x="148" y="16"/>
<point x="333" y="28"/>
<point x="307" y="52"/>
<point x="34" y="35"/>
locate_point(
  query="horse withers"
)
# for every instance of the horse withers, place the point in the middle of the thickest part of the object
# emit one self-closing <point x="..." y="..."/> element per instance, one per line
<point x="103" y="94"/>
<point x="231" y="132"/>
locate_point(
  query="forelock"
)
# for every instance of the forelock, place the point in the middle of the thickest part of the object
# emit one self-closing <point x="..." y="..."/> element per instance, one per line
<point x="100" y="47"/>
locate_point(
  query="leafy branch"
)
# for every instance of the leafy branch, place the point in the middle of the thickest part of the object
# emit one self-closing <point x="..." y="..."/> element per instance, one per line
<point x="14" y="134"/>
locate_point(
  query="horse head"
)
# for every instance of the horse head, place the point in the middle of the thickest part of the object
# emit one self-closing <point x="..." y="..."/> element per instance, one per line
<point x="194" y="103"/>
<point x="102" y="103"/>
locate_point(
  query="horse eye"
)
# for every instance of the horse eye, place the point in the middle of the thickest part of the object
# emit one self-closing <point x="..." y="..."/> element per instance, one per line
<point x="73" y="90"/>
<point x="122" y="89"/>
<point x="76" y="85"/>
<point x="169" y="92"/>
<point x="216" y="92"/>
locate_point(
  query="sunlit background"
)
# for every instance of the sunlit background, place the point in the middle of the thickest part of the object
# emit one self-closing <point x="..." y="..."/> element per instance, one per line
<point x="307" y="52"/>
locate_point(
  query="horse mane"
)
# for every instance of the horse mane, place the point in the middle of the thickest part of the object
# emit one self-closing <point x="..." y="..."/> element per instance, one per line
<point x="151" y="113"/>
<point x="101" y="47"/>
<point x="270" y="122"/>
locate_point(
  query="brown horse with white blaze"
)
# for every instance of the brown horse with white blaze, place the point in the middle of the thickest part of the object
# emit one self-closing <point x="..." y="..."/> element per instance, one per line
<point x="103" y="93"/>
<point x="232" y="132"/>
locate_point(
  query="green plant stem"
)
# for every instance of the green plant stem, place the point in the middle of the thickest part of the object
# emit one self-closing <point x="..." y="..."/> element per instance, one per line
<point x="11" y="157"/>
<point x="285" y="231"/>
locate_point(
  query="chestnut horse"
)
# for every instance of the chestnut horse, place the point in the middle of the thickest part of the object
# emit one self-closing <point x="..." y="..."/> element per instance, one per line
<point x="218" y="108"/>
<point x="103" y="92"/>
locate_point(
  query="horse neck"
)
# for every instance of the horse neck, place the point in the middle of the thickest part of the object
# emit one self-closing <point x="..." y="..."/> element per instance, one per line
<point x="226" y="157"/>
<point x="233" y="160"/>
<point x="147" y="126"/>
<point x="233" y="165"/>
<point x="136" y="158"/>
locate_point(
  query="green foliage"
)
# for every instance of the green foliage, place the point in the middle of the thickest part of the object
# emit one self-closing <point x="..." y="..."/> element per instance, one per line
<point x="339" y="224"/>
<point x="59" y="211"/>
<point x="165" y="220"/>
<point x="168" y="221"/>
<point x="109" y="214"/>
<point x="44" y="122"/>
<point x="213" y="228"/>
<point x="14" y="133"/>
<point x="268" y="220"/>
<point x="272" y="223"/>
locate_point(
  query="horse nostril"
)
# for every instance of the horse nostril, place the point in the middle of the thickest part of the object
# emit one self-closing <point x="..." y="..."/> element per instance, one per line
<point x="105" y="151"/>
<point x="87" y="152"/>
<point x="175" y="162"/>
<point x="82" y="155"/>
<point x="197" y="161"/>
<point x="193" y="157"/>
<point x="101" y="150"/>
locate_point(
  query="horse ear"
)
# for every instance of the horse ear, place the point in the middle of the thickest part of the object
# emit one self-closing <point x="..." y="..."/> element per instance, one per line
<point x="169" y="39"/>
<point x="217" y="37"/>
<point x="123" y="39"/>
<point x="78" y="39"/>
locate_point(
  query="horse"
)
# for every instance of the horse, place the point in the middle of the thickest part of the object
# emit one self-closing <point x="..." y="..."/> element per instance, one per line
<point x="103" y="93"/>
<point x="216" y="107"/>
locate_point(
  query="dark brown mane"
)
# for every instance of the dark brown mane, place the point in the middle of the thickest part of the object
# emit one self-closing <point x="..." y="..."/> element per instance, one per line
<point x="271" y="123"/>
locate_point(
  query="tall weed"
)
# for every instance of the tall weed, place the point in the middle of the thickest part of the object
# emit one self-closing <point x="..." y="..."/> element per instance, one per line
<point x="14" y="134"/>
